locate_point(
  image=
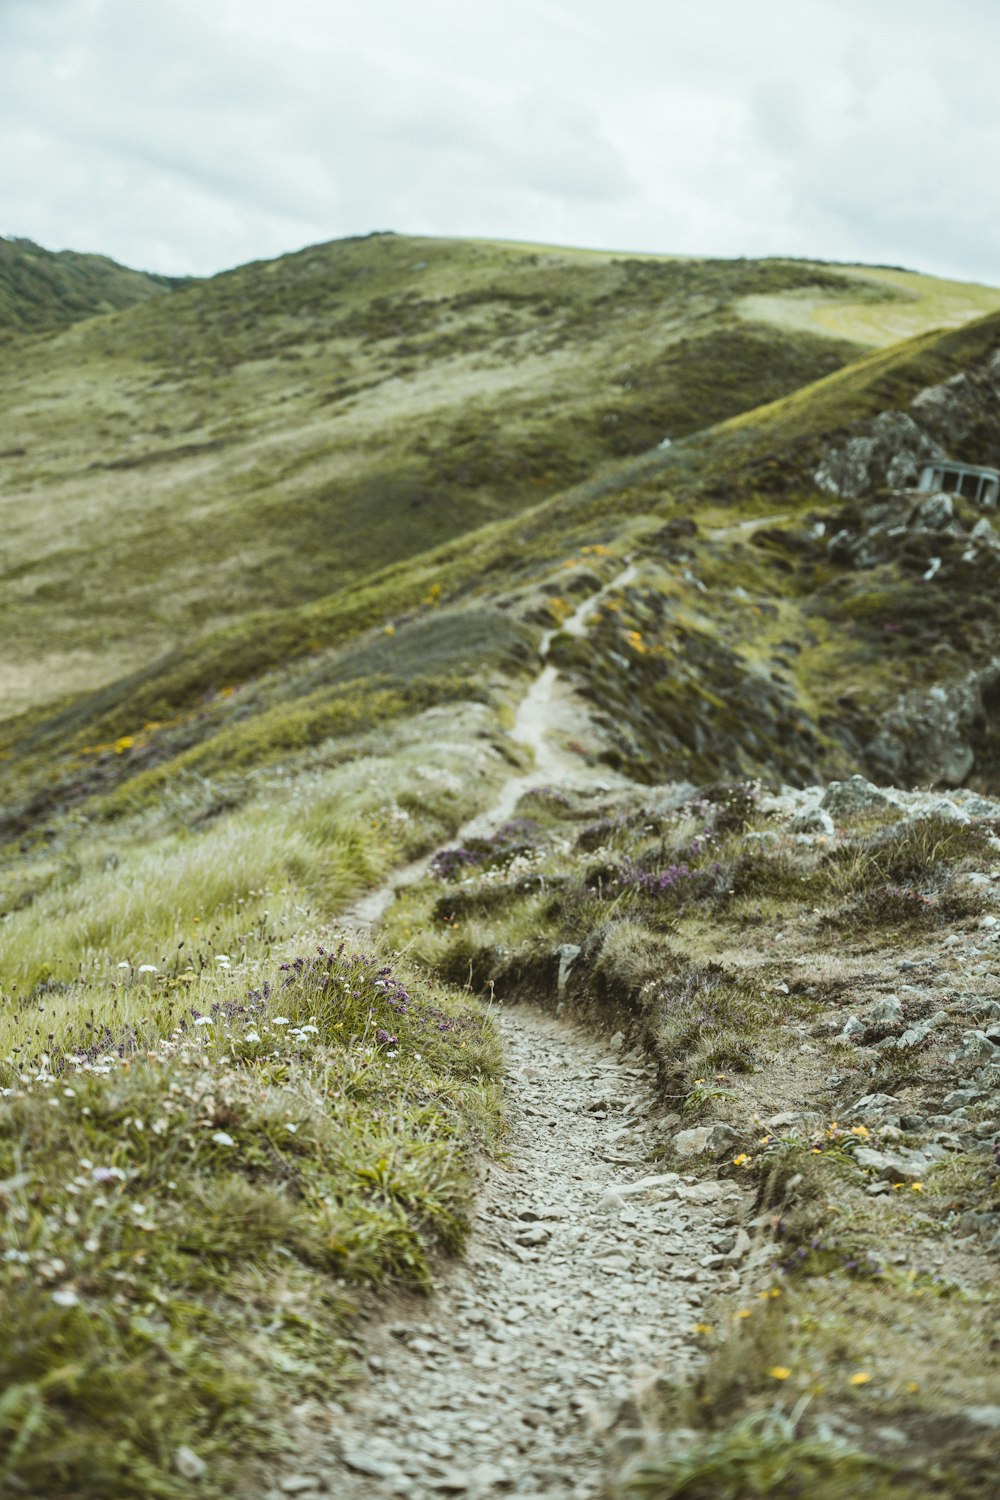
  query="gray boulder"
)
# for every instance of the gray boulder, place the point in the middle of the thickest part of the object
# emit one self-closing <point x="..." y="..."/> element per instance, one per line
<point x="846" y="798"/>
<point x="705" y="1140"/>
<point x="893" y="1166"/>
<point x="812" y="820"/>
<point x="875" y="1107"/>
<point x="892" y="452"/>
<point x="925" y="736"/>
<point x="886" y="1012"/>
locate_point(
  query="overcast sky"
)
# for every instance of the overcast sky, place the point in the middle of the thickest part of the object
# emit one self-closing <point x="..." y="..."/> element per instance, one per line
<point x="191" y="135"/>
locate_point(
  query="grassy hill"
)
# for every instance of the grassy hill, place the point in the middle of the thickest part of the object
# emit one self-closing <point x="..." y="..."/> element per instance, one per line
<point x="692" y="511"/>
<point x="267" y="437"/>
<point x="281" y="549"/>
<point x="41" y="290"/>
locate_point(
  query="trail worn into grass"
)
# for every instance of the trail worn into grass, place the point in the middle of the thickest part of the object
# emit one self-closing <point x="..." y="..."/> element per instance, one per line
<point x="584" y="1276"/>
<point x="549" y="716"/>
<point x="586" y="1266"/>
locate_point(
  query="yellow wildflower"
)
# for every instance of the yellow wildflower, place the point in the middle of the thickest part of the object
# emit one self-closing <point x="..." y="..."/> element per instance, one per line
<point x="916" y="1187"/>
<point x="742" y="1160"/>
<point x="744" y="1312"/>
<point x="703" y="1328"/>
<point x="861" y="1377"/>
<point x="779" y="1372"/>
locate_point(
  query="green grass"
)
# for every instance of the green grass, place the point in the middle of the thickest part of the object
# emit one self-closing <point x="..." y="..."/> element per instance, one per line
<point x="841" y="1334"/>
<point x="191" y="1211"/>
<point x="268" y="437"/>
<point x="760" y="1456"/>
<point x="301" y="677"/>
<point x="197" y="1187"/>
<point x="41" y="290"/>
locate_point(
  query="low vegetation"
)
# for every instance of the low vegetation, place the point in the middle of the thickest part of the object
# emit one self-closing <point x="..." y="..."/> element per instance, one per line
<point x="264" y="440"/>
<point x="715" y="939"/>
<point x="221" y="1130"/>
<point x="43" y="290"/>
<point x="199" y="1179"/>
<point x="342" y="496"/>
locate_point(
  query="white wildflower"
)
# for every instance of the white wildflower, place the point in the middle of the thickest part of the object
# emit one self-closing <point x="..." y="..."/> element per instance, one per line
<point x="223" y="1138"/>
<point x="65" y="1296"/>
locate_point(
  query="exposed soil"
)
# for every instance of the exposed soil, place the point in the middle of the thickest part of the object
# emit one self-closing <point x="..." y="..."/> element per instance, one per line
<point x="584" y="1273"/>
<point x="524" y="1372"/>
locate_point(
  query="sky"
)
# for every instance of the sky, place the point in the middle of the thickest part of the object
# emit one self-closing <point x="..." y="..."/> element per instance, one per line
<point x="188" y="136"/>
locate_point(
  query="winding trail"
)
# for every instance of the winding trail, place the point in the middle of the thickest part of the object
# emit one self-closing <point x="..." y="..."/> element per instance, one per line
<point x="548" y="708"/>
<point x="584" y="1274"/>
<point x="586" y="1267"/>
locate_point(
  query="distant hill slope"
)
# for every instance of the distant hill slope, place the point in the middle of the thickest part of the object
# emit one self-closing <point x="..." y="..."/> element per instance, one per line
<point x="279" y="432"/>
<point x="782" y="621"/>
<point x="45" y="289"/>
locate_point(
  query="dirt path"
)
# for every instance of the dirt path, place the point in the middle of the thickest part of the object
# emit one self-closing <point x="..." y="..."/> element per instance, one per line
<point x="586" y="1267"/>
<point x="584" y="1275"/>
<point x="548" y="714"/>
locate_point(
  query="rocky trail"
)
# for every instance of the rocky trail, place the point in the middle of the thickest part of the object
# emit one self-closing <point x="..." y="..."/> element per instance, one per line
<point x="548" y="713"/>
<point x="588" y="1267"/>
<point x="585" y="1270"/>
<point x="584" y="1276"/>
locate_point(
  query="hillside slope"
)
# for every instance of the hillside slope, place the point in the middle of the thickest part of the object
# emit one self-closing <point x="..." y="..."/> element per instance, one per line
<point x="567" y="758"/>
<point x="730" y="610"/>
<point x="269" y="436"/>
<point x="41" y="290"/>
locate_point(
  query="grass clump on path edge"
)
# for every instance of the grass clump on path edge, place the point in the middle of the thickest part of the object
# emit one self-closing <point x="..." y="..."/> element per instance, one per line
<point x="192" y="1203"/>
<point x="853" y="1355"/>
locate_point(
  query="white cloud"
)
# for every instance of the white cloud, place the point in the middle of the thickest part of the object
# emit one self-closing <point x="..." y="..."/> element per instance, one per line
<point x="185" y="137"/>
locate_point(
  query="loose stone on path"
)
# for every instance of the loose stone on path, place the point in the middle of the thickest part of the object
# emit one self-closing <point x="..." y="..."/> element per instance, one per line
<point x="582" y="1278"/>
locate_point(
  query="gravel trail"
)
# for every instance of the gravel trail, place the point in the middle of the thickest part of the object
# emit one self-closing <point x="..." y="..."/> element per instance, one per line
<point x="549" y="712"/>
<point x="518" y="1376"/>
<point x="586" y="1268"/>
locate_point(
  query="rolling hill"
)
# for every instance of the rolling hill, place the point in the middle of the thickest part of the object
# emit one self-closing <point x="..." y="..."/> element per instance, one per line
<point x="374" y="559"/>
<point x="42" y="290"/>
<point x="266" y="437"/>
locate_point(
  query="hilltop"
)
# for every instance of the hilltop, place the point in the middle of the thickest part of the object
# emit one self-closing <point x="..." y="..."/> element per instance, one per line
<point x="385" y="679"/>
<point x="42" y="290"/>
<point x="278" y="432"/>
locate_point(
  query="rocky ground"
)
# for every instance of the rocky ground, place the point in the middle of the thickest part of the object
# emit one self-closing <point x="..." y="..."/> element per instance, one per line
<point x="586" y="1272"/>
<point x="841" y="1157"/>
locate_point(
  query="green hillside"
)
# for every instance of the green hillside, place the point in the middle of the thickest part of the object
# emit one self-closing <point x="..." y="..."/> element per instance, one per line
<point x="695" y="513"/>
<point x="271" y="435"/>
<point x="281" y="550"/>
<point x="42" y="290"/>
